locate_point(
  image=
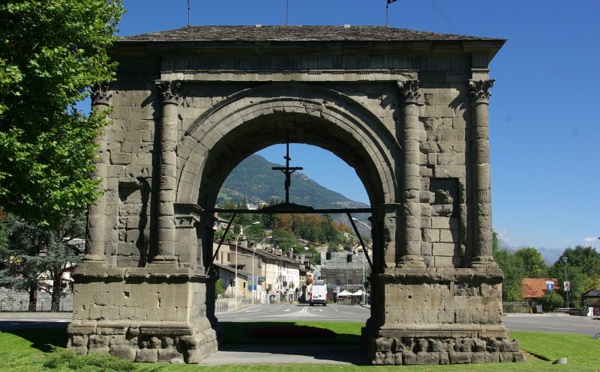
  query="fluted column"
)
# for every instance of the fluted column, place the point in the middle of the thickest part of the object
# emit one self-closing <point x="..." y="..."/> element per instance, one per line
<point x="96" y="228"/>
<point x="168" y="171"/>
<point x="482" y="239"/>
<point x="410" y="141"/>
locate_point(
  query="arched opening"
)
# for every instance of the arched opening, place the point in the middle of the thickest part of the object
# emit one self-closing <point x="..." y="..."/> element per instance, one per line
<point x="267" y="115"/>
<point x="269" y="272"/>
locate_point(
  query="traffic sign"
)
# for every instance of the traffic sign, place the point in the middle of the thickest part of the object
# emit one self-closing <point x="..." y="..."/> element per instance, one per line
<point x="567" y="287"/>
<point x="549" y="286"/>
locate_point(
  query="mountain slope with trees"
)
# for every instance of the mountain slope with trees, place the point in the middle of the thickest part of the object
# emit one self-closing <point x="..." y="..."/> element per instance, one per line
<point x="255" y="179"/>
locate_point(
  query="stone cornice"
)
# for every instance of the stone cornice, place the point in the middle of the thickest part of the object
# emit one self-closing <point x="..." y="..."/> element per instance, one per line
<point x="325" y="75"/>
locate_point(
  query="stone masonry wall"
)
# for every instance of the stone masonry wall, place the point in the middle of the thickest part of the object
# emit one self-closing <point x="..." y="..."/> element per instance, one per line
<point x="141" y="315"/>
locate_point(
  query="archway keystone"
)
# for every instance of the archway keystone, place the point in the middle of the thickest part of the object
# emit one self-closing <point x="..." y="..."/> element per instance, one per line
<point x="407" y="110"/>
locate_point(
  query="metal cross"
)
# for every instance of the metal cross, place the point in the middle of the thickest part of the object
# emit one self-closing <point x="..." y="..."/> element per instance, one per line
<point x="287" y="170"/>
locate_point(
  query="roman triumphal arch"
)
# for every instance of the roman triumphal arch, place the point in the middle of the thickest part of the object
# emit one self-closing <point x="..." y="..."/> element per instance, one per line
<point x="407" y="110"/>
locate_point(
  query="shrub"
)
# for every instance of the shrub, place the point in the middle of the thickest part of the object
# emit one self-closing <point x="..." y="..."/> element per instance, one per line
<point x="63" y="359"/>
<point x="551" y="301"/>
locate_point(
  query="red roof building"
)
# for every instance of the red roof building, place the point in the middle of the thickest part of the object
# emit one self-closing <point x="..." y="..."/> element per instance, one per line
<point x="535" y="288"/>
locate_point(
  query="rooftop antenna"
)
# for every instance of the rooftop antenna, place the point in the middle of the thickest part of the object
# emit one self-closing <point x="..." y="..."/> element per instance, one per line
<point x="287" y="7"/>
<point x="188" y="1"/>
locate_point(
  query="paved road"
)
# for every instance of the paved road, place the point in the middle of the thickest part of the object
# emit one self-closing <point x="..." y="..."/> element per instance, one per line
<point x="561" y="323"/>
<point x="17" y="320"/>
<point x="329" y="313"/>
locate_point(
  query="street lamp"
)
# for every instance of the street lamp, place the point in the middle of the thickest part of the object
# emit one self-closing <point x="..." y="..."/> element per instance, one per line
<point x="565" y="260"/>
<point x="254" y="282"/>
<point x="236" y="260"/>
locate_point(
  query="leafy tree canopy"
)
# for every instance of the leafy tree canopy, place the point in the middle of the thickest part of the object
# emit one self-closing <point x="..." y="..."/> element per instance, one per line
<point x="533" y="262"/>
<point x="514" y="272"/>
<point x="51" y="53"/>
<point x="581" y="267"/>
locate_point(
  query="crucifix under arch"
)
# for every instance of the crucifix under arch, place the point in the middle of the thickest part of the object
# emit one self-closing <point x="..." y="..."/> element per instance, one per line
<point x="287" y="170"/>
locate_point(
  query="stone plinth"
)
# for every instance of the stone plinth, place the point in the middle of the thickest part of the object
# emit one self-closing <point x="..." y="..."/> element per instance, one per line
<point x="439" y="316"/>
<point x="141" y="314"/>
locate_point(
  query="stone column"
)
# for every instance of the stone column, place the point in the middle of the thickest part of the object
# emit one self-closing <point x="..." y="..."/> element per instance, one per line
<point x="168" y="171"/>
<point x="96" y="230"/>
<point x="410" y="141"/>
<point x="480" y="157"/>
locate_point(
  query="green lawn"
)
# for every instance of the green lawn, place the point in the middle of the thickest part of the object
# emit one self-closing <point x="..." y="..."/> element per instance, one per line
<point x="28" y="350"/>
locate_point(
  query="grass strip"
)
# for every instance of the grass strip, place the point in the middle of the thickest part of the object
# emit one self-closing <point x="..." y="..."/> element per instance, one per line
<point x="28" y="350"/>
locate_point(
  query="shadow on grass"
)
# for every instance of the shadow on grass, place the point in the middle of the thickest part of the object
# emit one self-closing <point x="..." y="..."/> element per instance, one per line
<point x="43" y="339"/>
<point x="239" y="333"/>
<point x="343" y="348"/>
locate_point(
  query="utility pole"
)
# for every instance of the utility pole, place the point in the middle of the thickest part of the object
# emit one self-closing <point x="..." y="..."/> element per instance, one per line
<point x="566" y="285"/>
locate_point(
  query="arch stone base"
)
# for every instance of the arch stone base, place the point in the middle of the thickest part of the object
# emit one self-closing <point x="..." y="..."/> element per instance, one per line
<point x="440" y="316"/>
<point x="141" y="314"/>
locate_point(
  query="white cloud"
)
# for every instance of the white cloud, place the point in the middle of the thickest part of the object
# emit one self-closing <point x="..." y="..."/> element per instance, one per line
<point x="590" y="240"/>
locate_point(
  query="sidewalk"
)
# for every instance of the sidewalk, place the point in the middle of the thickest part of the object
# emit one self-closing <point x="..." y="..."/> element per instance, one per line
<point x="63" y="315"/>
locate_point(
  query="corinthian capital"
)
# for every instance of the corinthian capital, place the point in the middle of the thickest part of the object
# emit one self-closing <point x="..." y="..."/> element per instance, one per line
<point x="169" y="90"/>
<point x="480" y="90"/>
<point x="101" y="94"/>
<point x="409" y="91"/>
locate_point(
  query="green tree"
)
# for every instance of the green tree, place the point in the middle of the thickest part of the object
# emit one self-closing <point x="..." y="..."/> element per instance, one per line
<point x="51" y="53"/>
<point x="533" y="262"/>
<point x="580" y="265"/>
<point x="514" y="272"/>
<point x="34" y="254"/>
<point x="587" y="259"/>
<point x="219" y="288"/>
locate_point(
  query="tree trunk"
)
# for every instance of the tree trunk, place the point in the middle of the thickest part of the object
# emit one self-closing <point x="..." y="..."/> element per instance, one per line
<point x="33" y="298"/>
<point x="56" y="291"/>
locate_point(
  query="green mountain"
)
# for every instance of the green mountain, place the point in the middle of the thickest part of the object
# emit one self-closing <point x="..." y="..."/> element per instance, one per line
<point x="255" y="179"/>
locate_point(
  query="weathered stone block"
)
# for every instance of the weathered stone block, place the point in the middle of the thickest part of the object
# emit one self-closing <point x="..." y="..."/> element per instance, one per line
<point x="492" y="357"/>
<point x="122" y="352"/>
<point x="165" y="355"/>
<point x="384" y="344"/>
<point x="78" y="341"/>
<point x="119" y="158"/>
<point x="147" y="356"/>
<point x="460" y="357"/>
<point x="444" y="249"/>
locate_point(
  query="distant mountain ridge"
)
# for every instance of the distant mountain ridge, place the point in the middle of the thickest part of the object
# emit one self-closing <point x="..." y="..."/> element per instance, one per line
<point x="550" y="255"/>
<point x="255" y="179"/>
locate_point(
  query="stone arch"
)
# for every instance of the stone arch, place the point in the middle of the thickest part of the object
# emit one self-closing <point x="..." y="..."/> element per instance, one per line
<point x="392" y="103"/>
<point x="256" y="118"/>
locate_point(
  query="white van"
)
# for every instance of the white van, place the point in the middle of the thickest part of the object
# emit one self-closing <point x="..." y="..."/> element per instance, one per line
<point x="318" y="293"/>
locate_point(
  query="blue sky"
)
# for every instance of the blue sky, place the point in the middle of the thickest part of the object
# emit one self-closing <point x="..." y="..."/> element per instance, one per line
<point x="544" y="110"/>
